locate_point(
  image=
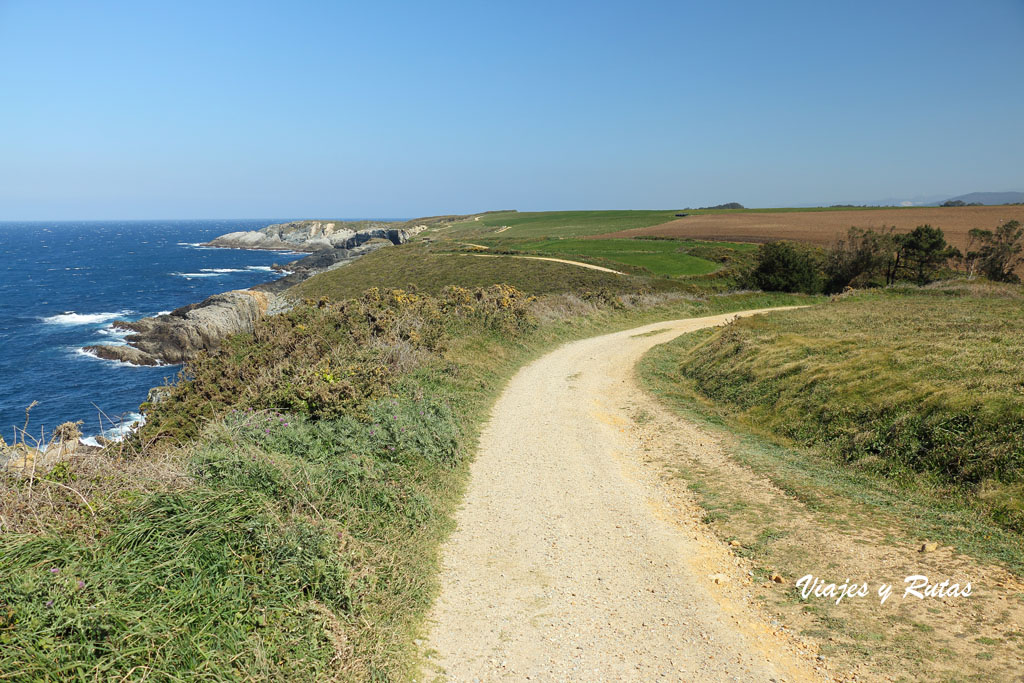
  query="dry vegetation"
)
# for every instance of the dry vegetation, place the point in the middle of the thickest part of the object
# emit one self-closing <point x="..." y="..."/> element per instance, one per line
<point x="295" y="536"/>
<point x="856" y="434"/>
<point x="826" y="227"/>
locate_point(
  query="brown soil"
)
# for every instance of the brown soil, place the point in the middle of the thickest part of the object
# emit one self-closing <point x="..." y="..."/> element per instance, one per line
<point x="825" y="227"/>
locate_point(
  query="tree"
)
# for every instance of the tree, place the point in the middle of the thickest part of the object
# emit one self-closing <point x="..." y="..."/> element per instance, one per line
<point x="858" y="258"/>
<point x="999" y="252"/>
<point x="785" y="267"/>
<point x="922" y="252"/>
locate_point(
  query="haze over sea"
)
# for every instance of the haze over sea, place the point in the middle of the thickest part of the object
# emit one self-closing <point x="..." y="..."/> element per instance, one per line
<point x="63" y="283"/>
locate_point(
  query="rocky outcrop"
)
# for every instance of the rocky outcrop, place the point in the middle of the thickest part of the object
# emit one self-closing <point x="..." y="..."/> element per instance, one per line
<point x="180" y="335"/>
<point x="21" y="459"/>
<point x="318" y="262"/>
<point x="183" y="333"/>
<point x="315" y="235"/>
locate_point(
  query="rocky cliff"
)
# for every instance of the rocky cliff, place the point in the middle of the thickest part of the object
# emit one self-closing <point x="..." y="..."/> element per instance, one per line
<point x="315" y="235"/>
<point x="184" y="332"/>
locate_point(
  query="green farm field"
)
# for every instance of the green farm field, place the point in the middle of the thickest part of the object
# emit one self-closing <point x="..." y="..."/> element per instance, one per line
<point x="661" y="257"/>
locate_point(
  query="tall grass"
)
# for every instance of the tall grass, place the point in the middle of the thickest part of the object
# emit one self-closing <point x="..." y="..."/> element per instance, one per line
<point x="922" y="385"/>
<point x="300" y="542"/>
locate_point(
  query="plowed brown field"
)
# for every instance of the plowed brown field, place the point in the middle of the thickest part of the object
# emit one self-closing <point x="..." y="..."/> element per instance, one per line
<point x="825" y="227"/>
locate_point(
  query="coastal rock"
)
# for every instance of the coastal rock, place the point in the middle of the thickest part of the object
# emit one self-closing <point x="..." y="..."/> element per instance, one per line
<point x="21" y="459"/>
<point x="180" y="335"/>
<point x="123" y="354"/>
<point x="318" y="262"/>
<point x="314" y="236"/>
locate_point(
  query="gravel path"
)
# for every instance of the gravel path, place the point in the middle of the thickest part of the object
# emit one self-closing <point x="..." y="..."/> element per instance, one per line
<point x="573" y="558"/>
<point x="589" y="266"/>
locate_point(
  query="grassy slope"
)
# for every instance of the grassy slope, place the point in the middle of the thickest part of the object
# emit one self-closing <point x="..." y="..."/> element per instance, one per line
<point x="661" y="257"/>
<point x="541" y="224"/>
<point x="923" y="387"/>
<point x="794" y="511"/>
<point x="300" y="548"/>
<point x="432" y="268"/>
<point x="537" y="225"/>
<point x="557" y="233"/>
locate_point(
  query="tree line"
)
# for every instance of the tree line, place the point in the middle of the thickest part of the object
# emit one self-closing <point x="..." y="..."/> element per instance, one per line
<point x="868" y="258"/>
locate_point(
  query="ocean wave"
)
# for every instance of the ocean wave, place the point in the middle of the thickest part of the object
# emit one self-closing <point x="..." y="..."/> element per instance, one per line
<point x="115" y="337"/>
<point x="92" y="355"/>
<point x="222" y="270"/>
<point x="72" y="318"/>
<point x="264" y="268"/>
<point x="189" y="276"/>
<point x="121" y="428"/>
<point x="120" y="363"/>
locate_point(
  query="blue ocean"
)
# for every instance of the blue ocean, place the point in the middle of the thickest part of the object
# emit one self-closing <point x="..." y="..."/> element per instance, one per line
<point x="61" y="285"/>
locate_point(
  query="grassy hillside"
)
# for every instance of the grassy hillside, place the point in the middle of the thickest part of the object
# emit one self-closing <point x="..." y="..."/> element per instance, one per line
<point x="535" y="225"/>
<point x="431" y="268"/>
<point x="539" y="224"/>
<point x="923" y="386"/>
<point x="295" y="536"/>
<point x="661" y="257"/>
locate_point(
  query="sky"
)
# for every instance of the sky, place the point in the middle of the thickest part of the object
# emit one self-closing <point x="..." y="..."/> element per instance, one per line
<point x="306" y="109"/>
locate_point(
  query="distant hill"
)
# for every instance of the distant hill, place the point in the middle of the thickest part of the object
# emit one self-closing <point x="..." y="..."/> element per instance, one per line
<point x="990" y="198"/>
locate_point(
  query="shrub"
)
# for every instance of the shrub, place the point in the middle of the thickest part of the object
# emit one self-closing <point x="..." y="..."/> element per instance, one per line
<point x="324" y="359"/>
<point x="922" y="253"/>
<point x="999" y="253"/>
<point x="858" y="259"/>
<point x="786" y="267"/>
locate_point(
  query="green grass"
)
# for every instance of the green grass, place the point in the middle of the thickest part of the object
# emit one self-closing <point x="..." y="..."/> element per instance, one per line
<point x="801" y="506"/>
<point x="525" y="226"/>
<point x="301" y="547"/>
<point x="661" y="257"/>
<point x="431" y="269"/>
<point x="536" y="225"/>
<point x="846" y="498"/>
<point x="922" y="386"/>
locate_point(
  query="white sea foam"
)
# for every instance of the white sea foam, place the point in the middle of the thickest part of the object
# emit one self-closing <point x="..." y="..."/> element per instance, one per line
<point x="92" y="354"/>
<point x="72" y="318"/>
<point x="222" y="270"/>
<point x="119" y="363"/>
<point x="265" y="268"/>
<point x="118" y="431"/>
<point x="189" y="276"/>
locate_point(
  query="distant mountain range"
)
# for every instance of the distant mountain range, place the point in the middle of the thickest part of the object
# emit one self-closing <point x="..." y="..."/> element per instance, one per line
<point x="990" y="198"/>
<point x="987" y="198"/>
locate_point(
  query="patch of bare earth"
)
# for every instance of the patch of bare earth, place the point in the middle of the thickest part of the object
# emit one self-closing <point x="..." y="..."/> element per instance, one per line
<point x="578" y="555"/>
<point x="825" y="227"/>
<point x="980" y="637"/>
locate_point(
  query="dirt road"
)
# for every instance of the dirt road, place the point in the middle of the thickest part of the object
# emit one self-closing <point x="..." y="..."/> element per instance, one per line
<point x="574" y="560"/>
<point x="580" y="264"/>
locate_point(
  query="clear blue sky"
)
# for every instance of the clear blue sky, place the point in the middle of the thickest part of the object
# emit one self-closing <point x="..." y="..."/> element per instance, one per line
<point x="390" y="109"/>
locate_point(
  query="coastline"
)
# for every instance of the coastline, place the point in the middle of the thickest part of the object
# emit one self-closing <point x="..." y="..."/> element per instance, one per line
<point x="177" y="335"/>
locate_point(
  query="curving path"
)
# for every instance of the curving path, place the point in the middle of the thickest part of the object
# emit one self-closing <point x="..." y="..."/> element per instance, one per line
<point x="572" y="559"/>
<point x="580" y="264"/>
